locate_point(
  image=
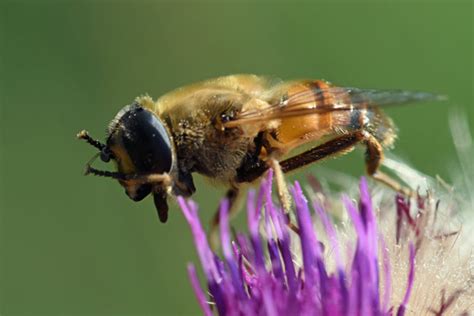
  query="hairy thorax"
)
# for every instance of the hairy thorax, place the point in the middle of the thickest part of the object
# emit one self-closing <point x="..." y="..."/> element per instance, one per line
<point x="202" y="144"/>
<point x="204" y="148"/>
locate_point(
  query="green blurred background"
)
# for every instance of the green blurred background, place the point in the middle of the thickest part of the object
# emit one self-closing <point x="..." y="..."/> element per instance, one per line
<point x="77" y="245"/>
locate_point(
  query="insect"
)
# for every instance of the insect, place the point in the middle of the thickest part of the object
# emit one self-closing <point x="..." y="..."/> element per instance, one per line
<point x="234" y="128"/>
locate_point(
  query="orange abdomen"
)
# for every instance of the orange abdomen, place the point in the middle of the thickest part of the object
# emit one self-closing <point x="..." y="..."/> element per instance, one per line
<point x="295" y="131"/>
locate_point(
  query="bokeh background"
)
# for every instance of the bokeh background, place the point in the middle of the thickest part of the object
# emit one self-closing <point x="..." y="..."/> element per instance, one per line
<point x="77" y="245"/>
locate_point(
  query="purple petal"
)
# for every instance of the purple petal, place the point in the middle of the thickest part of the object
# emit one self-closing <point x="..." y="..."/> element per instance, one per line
<point x="227" y="248"/>
<point x="282" y="231"/>
<point x="253" y="219"/>
<point x="204" y="251"/>
<point x="284" y="246"/>
<point x="224" y="229"/>
<point x="309" y="244"/>
<point x="201" y="298"/>
<point x="331" y="232"/>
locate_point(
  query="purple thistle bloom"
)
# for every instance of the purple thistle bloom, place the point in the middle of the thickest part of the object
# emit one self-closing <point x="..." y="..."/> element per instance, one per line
<point x="258" y="274"/>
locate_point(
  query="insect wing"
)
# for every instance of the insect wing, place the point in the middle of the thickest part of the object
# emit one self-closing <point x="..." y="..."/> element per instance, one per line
<point x="323" y="100"/>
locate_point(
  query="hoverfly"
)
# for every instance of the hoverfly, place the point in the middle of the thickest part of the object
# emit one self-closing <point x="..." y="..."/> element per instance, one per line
<point x="234" y="128"/>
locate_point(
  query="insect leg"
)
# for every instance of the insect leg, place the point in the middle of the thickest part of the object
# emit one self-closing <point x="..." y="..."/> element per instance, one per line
<point x="330" y="148"/>
<point x="333" y="147"/>
<point x="373" y="159"/>
<point x="282" y="188"/>
<point x="340" y="145"/>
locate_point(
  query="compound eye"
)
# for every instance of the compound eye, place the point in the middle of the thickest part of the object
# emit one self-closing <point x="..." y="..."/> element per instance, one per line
<point x="146" y="141"/>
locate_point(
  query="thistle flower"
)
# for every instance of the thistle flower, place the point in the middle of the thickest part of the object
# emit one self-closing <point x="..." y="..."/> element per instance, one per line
<point x="379" y="267"/>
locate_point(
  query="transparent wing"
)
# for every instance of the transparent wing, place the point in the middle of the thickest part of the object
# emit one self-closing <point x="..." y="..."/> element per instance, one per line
<point x="314" y="101"/>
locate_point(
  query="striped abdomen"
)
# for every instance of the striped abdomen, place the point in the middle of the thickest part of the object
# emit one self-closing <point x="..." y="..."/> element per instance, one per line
<point x="334" y="114"/>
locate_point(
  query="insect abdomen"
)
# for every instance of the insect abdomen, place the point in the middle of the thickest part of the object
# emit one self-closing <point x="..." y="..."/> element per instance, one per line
<point x="294" y="131"/>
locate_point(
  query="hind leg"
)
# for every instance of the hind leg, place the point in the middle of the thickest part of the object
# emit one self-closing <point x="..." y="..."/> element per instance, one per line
<point x="373" y="159"/>
<point x="343" y="144"/>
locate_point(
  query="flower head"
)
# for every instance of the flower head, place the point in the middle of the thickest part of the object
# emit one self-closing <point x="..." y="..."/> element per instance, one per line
<point x="260" y="273"/>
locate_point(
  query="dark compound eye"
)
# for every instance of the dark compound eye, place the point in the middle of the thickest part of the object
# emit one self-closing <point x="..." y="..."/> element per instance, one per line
<point x="146" y="141"/>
